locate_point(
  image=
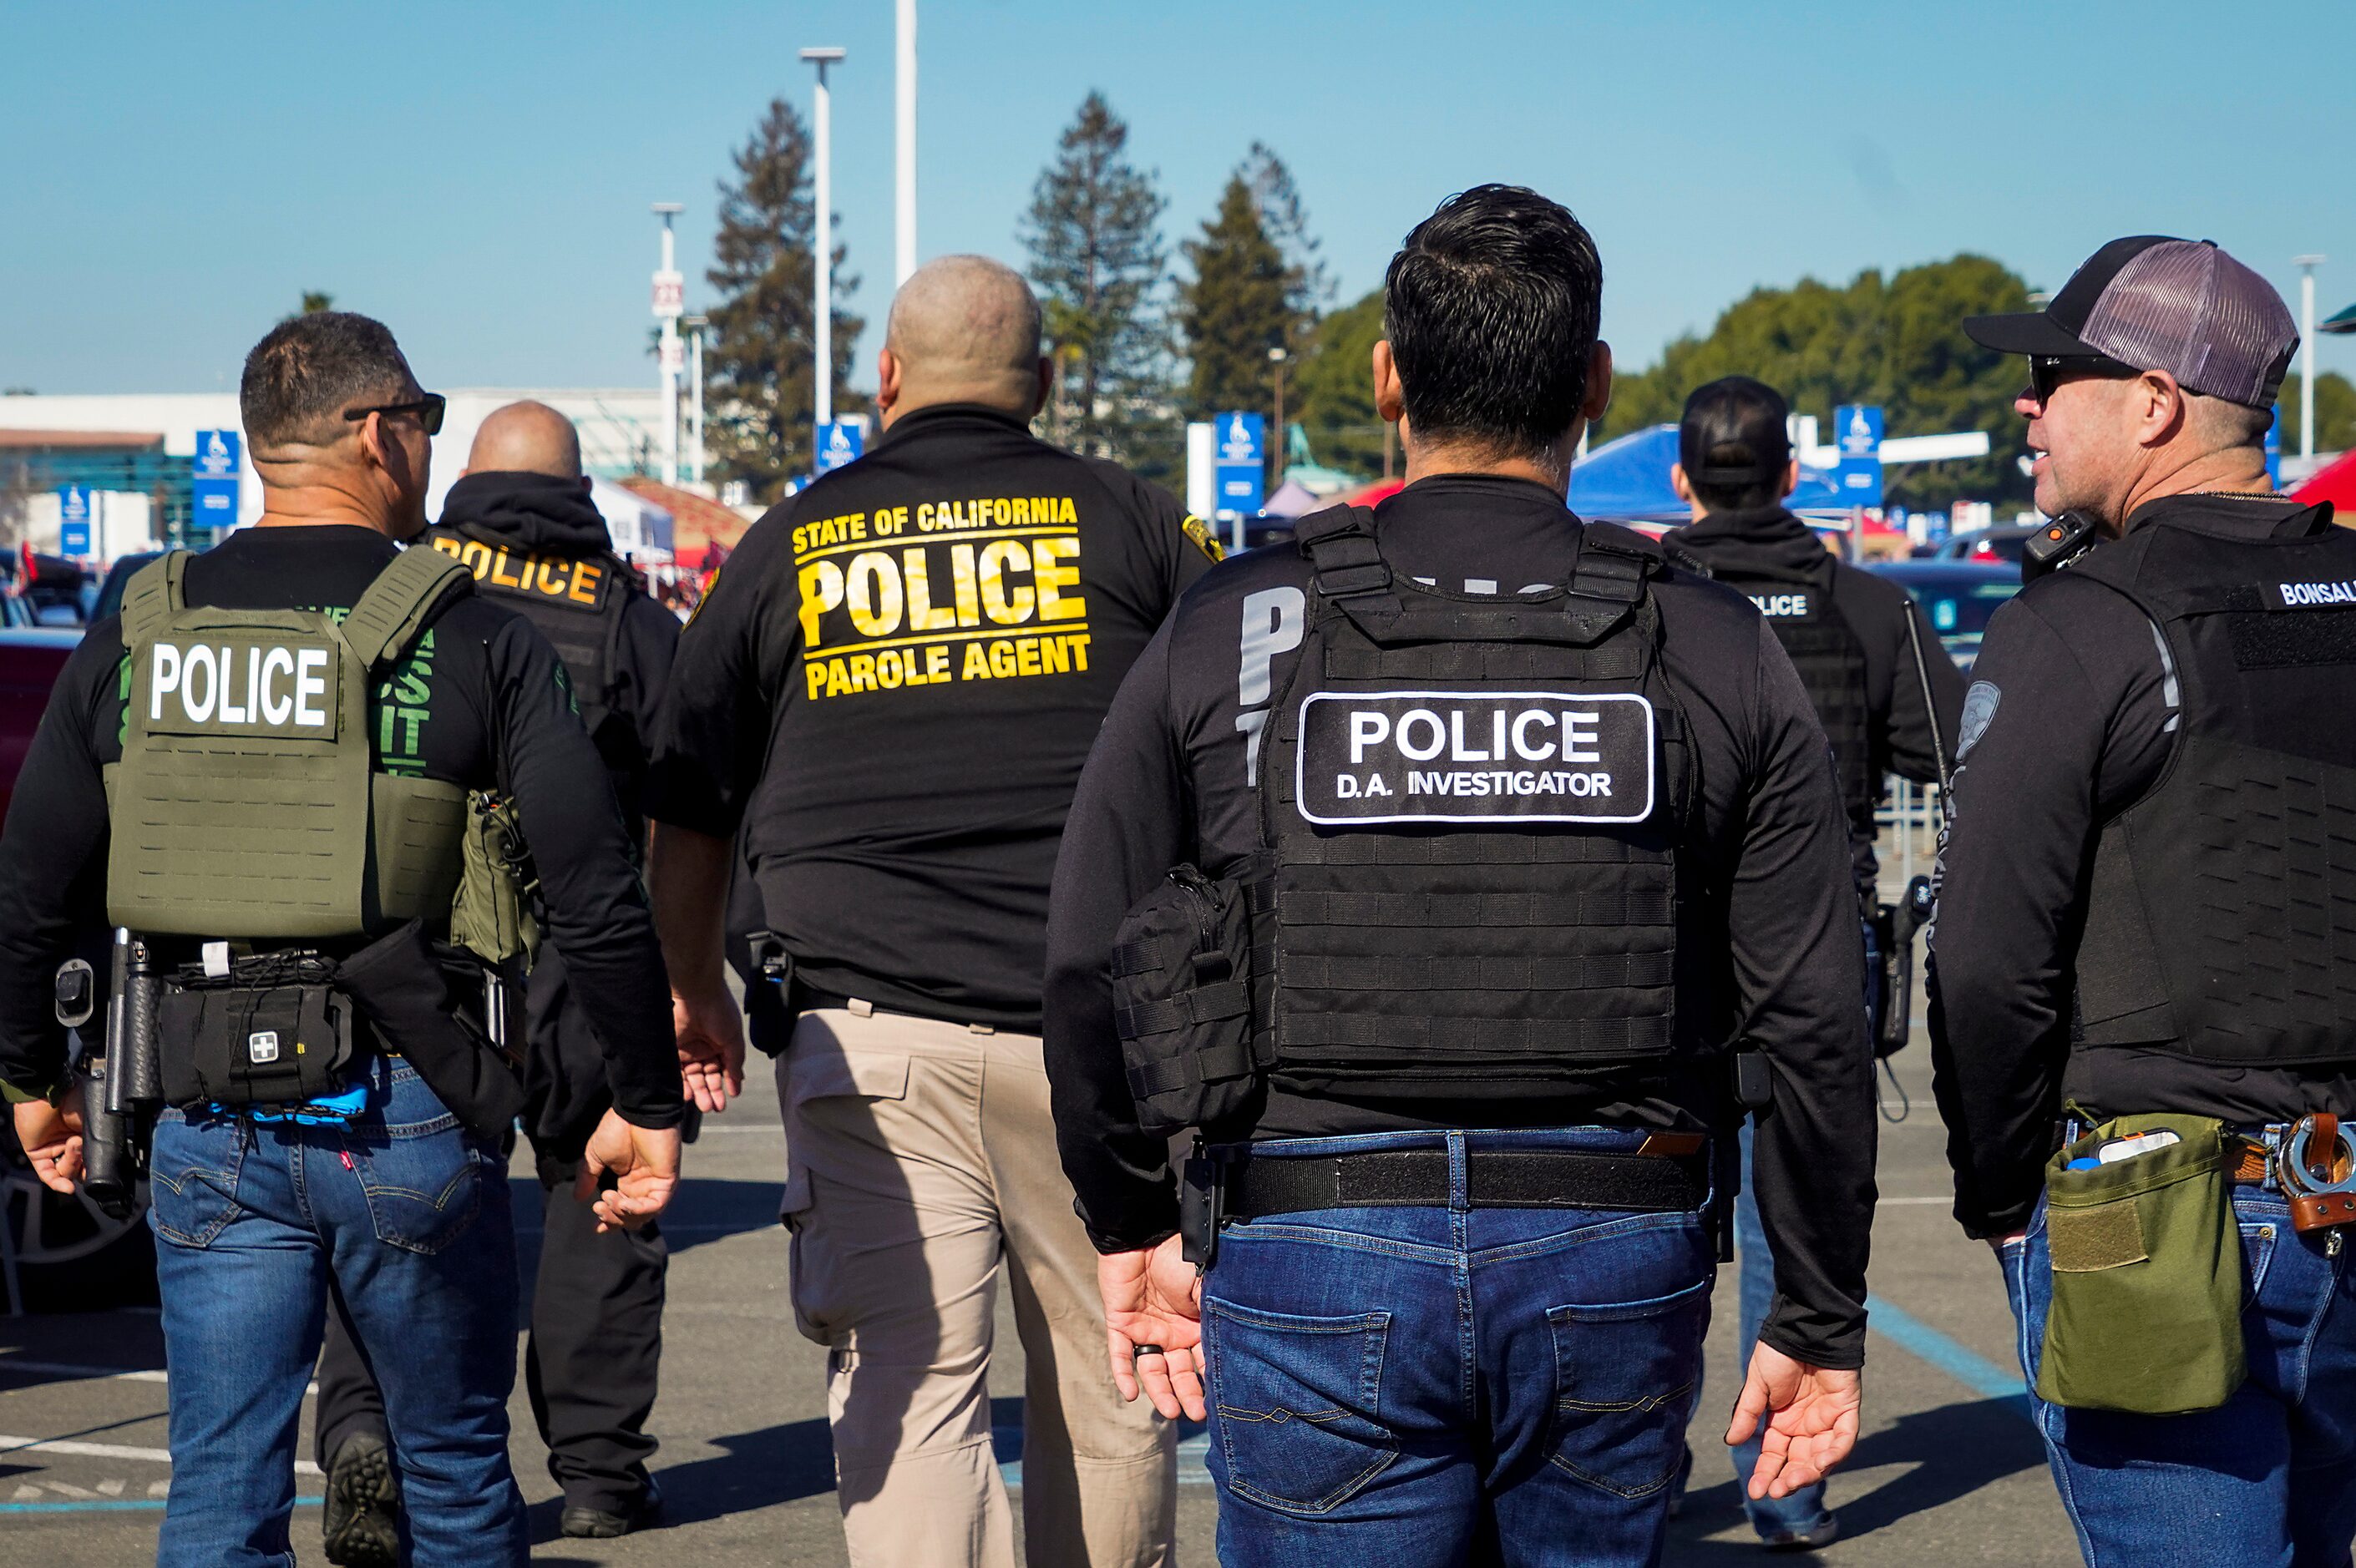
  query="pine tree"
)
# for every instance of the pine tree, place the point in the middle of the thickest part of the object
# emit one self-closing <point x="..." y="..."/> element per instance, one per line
<point x="1094" y="236"/>
<point x="1236" y="307"/>
<point x="1256" y="288"/>
<point x="1282" y="214"/>
<point x="760" y="351"/>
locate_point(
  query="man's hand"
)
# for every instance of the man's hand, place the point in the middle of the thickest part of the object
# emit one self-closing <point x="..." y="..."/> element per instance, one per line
<point x="645" y="1163"/>
<point x="711" y="1047"/>
<point x="51" y="1136"/>
<point x="1997" y="1243"/>
<point x="1813" y="1423"/>
<point x="1154" y="1297"/>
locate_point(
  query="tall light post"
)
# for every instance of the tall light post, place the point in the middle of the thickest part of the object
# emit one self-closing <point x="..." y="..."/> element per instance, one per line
<point x="695" y="326"/>
<point x="904" y="147"/>
<point x="822" y="331"/>
<point x="2307" y="265"/>
<point x="670" y="293"/>
<point x="1276" y="448"/>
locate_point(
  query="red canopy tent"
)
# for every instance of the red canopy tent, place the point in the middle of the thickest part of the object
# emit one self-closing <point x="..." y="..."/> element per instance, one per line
<point x="2335" y="483"/>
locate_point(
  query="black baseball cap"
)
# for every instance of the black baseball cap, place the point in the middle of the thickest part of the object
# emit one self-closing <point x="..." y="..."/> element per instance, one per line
<point x="2152" y="302"/>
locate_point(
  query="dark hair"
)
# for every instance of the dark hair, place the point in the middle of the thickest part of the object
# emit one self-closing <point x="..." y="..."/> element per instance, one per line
<point x="1492" y="306"/>
<point x="300" y="377"/>
<point x="1735" y="443"/>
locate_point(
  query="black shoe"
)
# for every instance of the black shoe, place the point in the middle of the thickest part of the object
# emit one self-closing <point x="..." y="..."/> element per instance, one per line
<point x="362" y="1521"/>
<point x="600" y="1524"/>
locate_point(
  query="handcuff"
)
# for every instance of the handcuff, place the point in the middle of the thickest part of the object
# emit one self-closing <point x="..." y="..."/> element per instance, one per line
<point x="2318" y="1201"/>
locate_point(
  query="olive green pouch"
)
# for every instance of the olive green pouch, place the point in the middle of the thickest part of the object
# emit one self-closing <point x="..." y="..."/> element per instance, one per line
<point x="2147" y="1313"/>
<point x="491" y="914"/>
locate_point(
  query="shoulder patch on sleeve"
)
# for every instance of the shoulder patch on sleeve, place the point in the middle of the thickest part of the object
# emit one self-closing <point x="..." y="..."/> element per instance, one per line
<point x="1195" y="529"/>
<point x="1979" y="706"/>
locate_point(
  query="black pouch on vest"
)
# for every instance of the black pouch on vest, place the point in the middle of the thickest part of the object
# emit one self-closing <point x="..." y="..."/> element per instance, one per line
<point x="1181" y="1000"/>
<point x="232" y="1044"/>
<point x="410" y="996"/>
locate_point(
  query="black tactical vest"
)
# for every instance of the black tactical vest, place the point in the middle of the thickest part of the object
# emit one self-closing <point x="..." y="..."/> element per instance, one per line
<point x="578" y="602"/>
<point x="2221" y="921"/>
<point x="1830" y="658"/>
<point x="1470" y="811"/>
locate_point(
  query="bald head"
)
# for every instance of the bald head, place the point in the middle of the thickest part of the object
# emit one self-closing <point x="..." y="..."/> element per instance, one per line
<point x="964" y="329"/>
<point x="526" y="438"/>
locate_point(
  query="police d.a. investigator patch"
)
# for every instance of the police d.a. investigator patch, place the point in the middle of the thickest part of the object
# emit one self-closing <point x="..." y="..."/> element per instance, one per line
<point x="1505" y="757"/>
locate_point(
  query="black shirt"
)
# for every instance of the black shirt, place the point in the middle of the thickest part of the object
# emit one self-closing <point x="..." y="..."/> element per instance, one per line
<point x="2069" y="718"/>
<point x="1904" y="718"/>
<point x="1167" y="784"/>
<point x="545" y="515"/>
<point x="892" y="685"/>
<point x="481" y="701"/>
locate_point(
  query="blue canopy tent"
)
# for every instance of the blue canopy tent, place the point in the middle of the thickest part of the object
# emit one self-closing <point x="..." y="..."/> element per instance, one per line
<point x="1627" y="480"/>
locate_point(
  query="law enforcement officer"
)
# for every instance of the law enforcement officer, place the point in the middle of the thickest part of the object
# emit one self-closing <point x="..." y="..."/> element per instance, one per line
<point x="2146" y="925"/>
<point x="891" y="689"/>
<point x="1887" y="695"/>
<point x="521" y="519"/>
<point x="266" y="776"/>
<point x="1431" y="868"/>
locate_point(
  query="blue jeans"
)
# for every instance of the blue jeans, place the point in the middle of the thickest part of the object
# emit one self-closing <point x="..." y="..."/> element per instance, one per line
<point x="410" y="1215"/>
<point x="1803" y="1509"/>
<point x="1403" y="1386"/>
<point x="2267" y="1478"/>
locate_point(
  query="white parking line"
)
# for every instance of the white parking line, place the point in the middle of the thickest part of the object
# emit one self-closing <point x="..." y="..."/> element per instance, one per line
<point x="109" y="1451"/>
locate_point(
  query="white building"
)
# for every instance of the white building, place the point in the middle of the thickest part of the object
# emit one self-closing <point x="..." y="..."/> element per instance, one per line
<point x="620" y="433"/>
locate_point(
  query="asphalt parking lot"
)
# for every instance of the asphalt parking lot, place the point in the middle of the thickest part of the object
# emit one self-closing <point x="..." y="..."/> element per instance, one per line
<point x="1947" y="1470"/>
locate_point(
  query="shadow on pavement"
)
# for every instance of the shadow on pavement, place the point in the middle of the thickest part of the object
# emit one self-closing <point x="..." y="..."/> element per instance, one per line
<point x="705" y="1209"/>
<point x="1953" y="1451"/>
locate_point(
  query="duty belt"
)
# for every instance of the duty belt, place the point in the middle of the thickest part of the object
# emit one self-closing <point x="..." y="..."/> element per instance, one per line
<point x="1494" y="1178"/>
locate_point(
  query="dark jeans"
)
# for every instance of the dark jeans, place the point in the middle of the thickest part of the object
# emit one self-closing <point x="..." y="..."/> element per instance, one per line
<point x="592" y="1363"/>
<point x="407" y="1217"/>
<point x="1403" y="1386"/>
<point x="2269" y="1477"/>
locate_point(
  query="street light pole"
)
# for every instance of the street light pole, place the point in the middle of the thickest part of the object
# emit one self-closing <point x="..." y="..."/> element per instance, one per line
<point x="822" y="328"/>
<point x="2307" y="265"/>
<point x="695" y="326"/>
<point x="904" y="182"/>
<point x="1276" y="446"/>
<point x="670" y="292"/>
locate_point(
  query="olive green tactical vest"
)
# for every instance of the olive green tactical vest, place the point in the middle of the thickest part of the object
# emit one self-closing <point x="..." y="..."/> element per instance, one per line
<point x="247" y="804"/>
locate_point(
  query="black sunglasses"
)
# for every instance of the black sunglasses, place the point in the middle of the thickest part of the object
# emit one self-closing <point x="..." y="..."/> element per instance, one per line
<point x="428" y="409"/>
<point x="2047" y="372"/>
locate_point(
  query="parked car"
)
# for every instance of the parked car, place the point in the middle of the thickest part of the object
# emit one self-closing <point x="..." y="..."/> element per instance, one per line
<point x="109" y="600"/>
<point x="1958" y="597"/>
<point x="1986" y="544"/>
<point x="69" y="1254"/>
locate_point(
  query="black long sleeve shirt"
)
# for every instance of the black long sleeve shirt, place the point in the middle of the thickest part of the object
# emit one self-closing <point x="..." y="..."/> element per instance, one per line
<point x="1912" y="709"/>
<point x="2069" y="721"/>
<point x="479" y="701"/>
<point x="1167" y="784"/>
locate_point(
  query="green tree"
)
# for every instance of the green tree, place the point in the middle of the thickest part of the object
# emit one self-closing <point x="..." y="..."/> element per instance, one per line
<point x="1095" y="240"/>
<point x="1238" y="306"/>
<point x="1334" y="391"/>
<point x="314" y="301"/>
<point x="1256" y="288"/>
<point x="760" y="351"/>
<point x="1898" y="342"/>
<point x="2335" y="413"/>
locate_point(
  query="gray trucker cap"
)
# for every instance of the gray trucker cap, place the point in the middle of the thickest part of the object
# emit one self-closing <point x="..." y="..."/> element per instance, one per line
<point x="2158" y="303"/>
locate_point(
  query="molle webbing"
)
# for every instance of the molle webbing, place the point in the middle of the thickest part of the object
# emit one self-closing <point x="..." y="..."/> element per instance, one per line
<point x="1425" y="957"/>
<point x="266" y="818"/>
<point x="2221" y="911"/>
<point x="583" y="621"/>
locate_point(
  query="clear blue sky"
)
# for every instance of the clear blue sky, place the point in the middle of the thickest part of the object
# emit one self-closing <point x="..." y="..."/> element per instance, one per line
<point x="477" y="174"/>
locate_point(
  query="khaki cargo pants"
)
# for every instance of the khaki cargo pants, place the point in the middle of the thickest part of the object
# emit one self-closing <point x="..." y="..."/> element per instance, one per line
<point x="921" y="1168"/>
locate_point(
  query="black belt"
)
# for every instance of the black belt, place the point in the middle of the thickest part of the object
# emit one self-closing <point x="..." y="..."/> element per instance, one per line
<point x="1494" y="1178"/>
